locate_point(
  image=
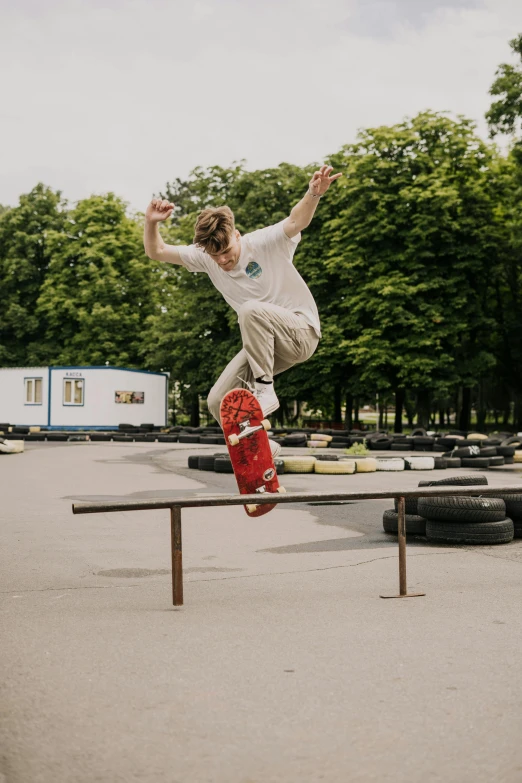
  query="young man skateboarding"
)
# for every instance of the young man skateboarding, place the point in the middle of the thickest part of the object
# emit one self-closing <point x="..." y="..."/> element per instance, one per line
<point x="277" y="314"/>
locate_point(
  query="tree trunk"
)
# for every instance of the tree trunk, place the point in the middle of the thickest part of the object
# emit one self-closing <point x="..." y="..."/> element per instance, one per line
<point x="441" y="417"/>
<point x="356" y="411"/>
<point x="380" y="423"/>
<point x="194" y="410"/>
<point x="465" y="411"/>
<point x="423" y="408"/>
<point x="399" y="405"/>
<point x="338" y="414"/>
<point x="517" y="418"/>
<point x="507" y="414"/>
<point x="409" y="406"/>
<point x="348" y="412"/>
<point x="481" y="408"/>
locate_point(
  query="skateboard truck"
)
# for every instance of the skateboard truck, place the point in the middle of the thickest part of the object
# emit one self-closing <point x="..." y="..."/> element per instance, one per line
<point x="251" y="507"/>
<point x="246" y="430"/>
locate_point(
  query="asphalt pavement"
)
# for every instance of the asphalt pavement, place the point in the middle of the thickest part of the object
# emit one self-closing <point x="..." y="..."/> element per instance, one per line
<point x="283" y="666"/>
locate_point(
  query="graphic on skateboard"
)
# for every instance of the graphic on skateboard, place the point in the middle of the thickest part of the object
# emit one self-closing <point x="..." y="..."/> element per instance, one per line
<point x="245" y="433"/>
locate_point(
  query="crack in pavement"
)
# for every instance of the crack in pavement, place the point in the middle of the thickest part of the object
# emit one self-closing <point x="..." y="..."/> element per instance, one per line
<point x="242" y="576"/>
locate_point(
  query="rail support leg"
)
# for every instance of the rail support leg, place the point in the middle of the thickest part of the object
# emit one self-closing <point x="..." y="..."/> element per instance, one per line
<point x="401" y="531"/>
<point x="177" y="556"/>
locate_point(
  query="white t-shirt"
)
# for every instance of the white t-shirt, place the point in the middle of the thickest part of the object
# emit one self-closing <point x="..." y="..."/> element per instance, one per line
<point x="264" y="272"/>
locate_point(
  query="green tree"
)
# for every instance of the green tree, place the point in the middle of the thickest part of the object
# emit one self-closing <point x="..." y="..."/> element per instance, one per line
<point x="412" y="257"/>
<point x="505" y="117"/>
<point x="24" y="262"/>
<point x="99" y="288"/>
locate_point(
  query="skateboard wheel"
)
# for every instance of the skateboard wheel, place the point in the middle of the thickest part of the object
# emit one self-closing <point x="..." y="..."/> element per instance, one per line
<point x="266" y="424"/>
<point x="251" y="507"/>
<point x="233" y="440"/>
<point x="281" y="489"/>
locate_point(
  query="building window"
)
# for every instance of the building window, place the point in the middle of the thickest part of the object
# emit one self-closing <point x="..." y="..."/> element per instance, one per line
<point x="33" y="391"/>
<point x="73" y="391"/>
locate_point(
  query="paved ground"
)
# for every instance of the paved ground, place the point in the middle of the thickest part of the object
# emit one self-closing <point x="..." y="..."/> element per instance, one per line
<point x="284" y="666"/>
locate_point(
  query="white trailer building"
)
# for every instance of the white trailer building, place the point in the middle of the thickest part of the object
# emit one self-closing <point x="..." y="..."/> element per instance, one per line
<point x="82" y="397"/>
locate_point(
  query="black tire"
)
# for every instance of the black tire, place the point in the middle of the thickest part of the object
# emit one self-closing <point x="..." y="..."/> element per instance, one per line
<point x="475" y="462"/>
<point x="489" y="451"/>
<point x="415" y="525"/>
<point x="462" y="509"/>
<point x="440" y="463"/>
<point x="167" y="438"/>
<point x="419" y="433"/>
<point x="458" y="481"/>
<point x="411" y="506"/>
<point x="513" y="506"/>
<point x="379" y="444"/>
<point x="453" y="462"/>
<point x="279" y="466"/>
<point x="327" y="457"/>
<point x="496" y="462"/>
<point x="400" y="445"/>
<point x="515" y="441"/>
<point x="193" y="461"/>
<point x="448" y="443"/>
<point x="223" y="465"/>
<point x="500" y="532"/>
<point x="518" y="528"/>
<point x="509" y="460"/>
<point x="206" y="463"/>
<point x="183" y="438"/>
<point x="506" y="451"/>
<point x="466" y="451"/>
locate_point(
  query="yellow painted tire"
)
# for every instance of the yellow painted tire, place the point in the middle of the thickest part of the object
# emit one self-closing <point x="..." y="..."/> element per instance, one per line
<point x="476" y="436"/>
<point x="299" y="464"/>
<point x="364" y="464"/>
<point x="342" y="466"/>
<point x="518" y="455"/>
<point x="320" y="436"/>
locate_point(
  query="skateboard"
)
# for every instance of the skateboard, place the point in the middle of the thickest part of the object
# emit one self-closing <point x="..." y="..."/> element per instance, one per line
<point x="245" y="433"/>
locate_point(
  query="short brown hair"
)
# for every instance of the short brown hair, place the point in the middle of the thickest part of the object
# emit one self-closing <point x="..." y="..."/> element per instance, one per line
<point x="214" y="229"/>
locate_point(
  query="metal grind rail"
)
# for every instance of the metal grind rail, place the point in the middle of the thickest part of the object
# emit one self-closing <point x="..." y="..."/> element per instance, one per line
<point x="177" y="504"/>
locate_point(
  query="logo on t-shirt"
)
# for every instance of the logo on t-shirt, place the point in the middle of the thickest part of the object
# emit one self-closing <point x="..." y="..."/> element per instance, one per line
<point x="253" y="270"/>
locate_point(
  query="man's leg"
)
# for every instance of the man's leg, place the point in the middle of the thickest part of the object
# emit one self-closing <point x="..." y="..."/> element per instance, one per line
<point x="274" y="339"/>
<point x="229" y="379"/>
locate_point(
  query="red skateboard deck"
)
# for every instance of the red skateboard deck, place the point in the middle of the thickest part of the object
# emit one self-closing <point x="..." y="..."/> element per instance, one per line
<point x="251" y="456"/>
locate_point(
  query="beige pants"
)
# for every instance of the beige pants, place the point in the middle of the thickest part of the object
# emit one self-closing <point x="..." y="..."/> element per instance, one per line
<point x="274" y="339"/>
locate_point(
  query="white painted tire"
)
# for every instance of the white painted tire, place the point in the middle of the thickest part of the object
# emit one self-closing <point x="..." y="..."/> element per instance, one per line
<point x="363" y="464"/>
<point x="317" y="444"/>
<point x="390" y="464"/>
<point x="299" y="464"/>
<point x="11" y="446"/>
<point x="342" y="466"/>
<point x="320" y="436"/>
<point x="419" y="463"/>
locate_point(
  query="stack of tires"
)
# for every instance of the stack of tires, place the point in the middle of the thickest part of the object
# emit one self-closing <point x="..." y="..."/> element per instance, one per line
<point x="458" y="519"/>
<point x="466" y="519"/>
<point x="479" y="451"/>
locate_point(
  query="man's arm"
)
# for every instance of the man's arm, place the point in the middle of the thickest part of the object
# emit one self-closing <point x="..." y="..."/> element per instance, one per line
<point x="301" y="215"/>
<point x="155" y="247"/>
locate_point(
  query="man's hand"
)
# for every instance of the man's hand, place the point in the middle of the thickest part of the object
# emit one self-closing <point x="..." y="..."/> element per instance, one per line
<point x="322" y="180"/>
<point x="158" y="210"/>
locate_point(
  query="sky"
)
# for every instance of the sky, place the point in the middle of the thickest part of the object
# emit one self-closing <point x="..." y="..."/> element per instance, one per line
<point x="126" y="95"/>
